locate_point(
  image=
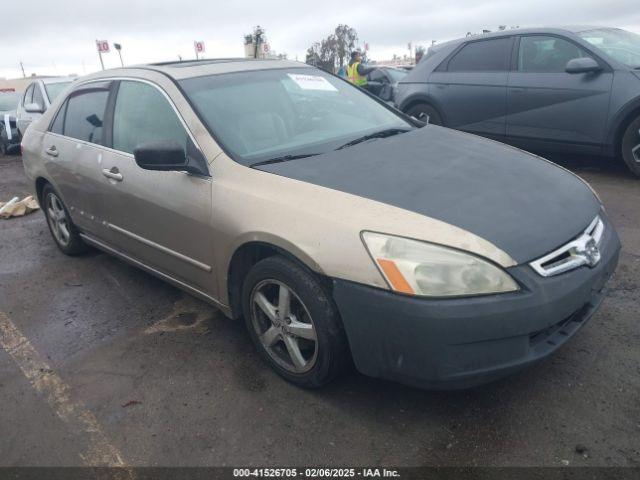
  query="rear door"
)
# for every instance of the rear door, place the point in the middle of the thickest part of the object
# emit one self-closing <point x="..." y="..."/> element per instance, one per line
<point x="549" y="107"/>
<point x="73" y="151"/>
<point x="161" y="218"/>
<point x="470" y="88"/>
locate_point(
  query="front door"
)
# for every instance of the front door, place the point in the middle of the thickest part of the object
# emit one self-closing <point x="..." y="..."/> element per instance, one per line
<point x="470" y="89"/>
<point x="547" y="105"/>
<point x="162" y="219"/>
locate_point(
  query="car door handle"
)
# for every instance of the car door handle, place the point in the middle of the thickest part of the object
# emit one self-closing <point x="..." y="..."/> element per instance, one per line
<point x="52" y="150"/>
<point x="113" y="174"/>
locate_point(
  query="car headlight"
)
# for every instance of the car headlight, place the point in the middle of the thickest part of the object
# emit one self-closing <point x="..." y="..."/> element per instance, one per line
<point x="419" y="268"/>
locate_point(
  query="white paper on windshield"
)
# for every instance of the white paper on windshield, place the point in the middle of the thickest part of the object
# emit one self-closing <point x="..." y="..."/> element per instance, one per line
<point x="312" y="82"/>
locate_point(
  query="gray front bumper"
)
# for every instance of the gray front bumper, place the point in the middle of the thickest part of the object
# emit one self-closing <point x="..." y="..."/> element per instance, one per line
<point x="459" y="343"/>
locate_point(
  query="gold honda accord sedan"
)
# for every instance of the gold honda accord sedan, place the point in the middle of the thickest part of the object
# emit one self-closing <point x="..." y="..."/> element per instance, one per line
<point x="340" y="229"/>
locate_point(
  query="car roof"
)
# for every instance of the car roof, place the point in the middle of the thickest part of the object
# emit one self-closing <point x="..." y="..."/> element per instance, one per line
<point x="519" y="31"/>
<point x="198" y="68"/>
<point x="50" y="80"/>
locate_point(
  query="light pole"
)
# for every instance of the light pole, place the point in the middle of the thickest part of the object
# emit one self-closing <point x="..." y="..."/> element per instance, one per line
<point x="118" y="47"/>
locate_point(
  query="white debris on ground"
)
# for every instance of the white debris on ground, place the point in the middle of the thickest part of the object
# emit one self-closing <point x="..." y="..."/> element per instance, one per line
<point x="17" y="208"/>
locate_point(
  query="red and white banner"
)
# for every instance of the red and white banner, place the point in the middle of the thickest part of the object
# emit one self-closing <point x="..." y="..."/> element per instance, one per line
<point x="103" y="46"/>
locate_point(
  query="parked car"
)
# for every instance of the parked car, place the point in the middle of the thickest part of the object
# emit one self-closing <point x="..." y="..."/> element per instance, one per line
<point x="38" y="97"/>
<point x="382" y="82"/>
<point x="326" y="219"/>
<point x="9" y="135"/>
<point x="573" y="89"/>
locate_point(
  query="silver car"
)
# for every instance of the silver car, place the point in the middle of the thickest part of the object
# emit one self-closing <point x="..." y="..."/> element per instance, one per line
<point x="38" y="97"/>
<point x="338" y="228"/>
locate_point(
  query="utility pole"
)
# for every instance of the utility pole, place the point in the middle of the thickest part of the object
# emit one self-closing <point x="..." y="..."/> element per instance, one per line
<point x="22" y="68"/>
<point x="118" y="47"/>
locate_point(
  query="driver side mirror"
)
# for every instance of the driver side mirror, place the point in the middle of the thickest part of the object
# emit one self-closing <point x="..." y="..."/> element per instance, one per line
<point x="582" y="65"/>
<point x="33" y="108"/>
<point x="166" y="155"/>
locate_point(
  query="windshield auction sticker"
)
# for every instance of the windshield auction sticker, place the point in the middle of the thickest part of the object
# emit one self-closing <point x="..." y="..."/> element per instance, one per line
<point x="312" y="82"/>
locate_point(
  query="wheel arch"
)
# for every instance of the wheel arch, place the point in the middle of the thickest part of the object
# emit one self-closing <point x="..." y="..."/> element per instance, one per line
<point x="40" y="184"/>
<point x="418" y="99"/>
<point x="619" y="124"/>
<point x="250" y="252"/>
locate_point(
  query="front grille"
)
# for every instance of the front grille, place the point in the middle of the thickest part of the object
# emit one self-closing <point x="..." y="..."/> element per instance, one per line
<point x="583" y="250"/>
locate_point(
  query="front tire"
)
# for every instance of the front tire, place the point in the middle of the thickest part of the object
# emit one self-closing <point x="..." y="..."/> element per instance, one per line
<point x="293" y="323"/>
<point x="62" y="229"/>
<point x="630" y="147"/>
<point x="425" y="113"/>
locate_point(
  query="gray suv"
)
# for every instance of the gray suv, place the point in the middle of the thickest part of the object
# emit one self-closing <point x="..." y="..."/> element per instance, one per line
<point x="571" y="89"/>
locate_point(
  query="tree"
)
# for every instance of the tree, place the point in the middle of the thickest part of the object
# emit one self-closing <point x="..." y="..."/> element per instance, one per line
<point x="345" y="40"/>
<point x="334" y="51"/>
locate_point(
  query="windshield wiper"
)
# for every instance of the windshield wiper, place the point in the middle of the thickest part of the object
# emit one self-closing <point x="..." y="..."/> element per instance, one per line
<point x="284" y="158"/>
<point x="381" y="134"/>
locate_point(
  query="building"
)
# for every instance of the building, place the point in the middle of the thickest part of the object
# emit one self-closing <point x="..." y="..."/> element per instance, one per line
<point x="256" y="45"/>
<point x="21" y="84"/>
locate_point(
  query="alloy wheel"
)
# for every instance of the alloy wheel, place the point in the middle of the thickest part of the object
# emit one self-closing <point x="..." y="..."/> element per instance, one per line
<point x="58" y="221"/>
<point x="635" y="151"/>
<point x="284" y="326"/>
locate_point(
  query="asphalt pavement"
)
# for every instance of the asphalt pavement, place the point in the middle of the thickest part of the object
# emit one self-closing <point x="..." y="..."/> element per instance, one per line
<point x="102" y="363"/>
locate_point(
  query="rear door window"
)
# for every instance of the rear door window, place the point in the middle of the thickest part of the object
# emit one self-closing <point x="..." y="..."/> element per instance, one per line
<point x="545" y="54"/>
<point x="58" y="124"/>
<point x="85" y="115"/>
<point x="482" y="56"/>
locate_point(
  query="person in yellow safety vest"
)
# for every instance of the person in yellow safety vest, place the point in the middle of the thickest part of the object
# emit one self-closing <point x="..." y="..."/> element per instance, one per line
<point x="356" y="72"/>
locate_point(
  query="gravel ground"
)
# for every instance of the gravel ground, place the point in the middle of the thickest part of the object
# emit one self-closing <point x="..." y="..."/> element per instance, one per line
<point x="147" y="371"/>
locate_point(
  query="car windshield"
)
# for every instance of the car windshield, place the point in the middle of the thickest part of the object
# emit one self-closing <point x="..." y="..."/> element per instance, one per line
<point x="619" y="44"/>
<point x="54" y="89"/>
<point x="396" y="75"/>
<point x="9" y="101"/>
<point x="266" y="114"/>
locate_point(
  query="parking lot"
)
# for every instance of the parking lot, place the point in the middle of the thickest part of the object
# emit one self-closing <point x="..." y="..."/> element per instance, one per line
<point x="108" y="364"/>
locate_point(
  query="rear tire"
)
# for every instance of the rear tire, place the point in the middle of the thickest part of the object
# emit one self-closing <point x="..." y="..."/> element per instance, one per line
<point x="294" y="323"/>
<point x="425" y="113"/>
<point x="630" y="147"/>
<point x="62" y="229"/>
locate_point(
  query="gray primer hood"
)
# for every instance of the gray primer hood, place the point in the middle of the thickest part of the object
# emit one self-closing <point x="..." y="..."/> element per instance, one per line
<point x="522" y="204"/>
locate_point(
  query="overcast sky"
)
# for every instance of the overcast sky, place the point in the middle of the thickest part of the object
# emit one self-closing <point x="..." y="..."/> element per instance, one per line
<point x="57" y="37"/>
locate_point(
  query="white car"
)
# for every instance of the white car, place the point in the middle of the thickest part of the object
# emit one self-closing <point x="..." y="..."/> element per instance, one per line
<point x="38" y="97"/>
